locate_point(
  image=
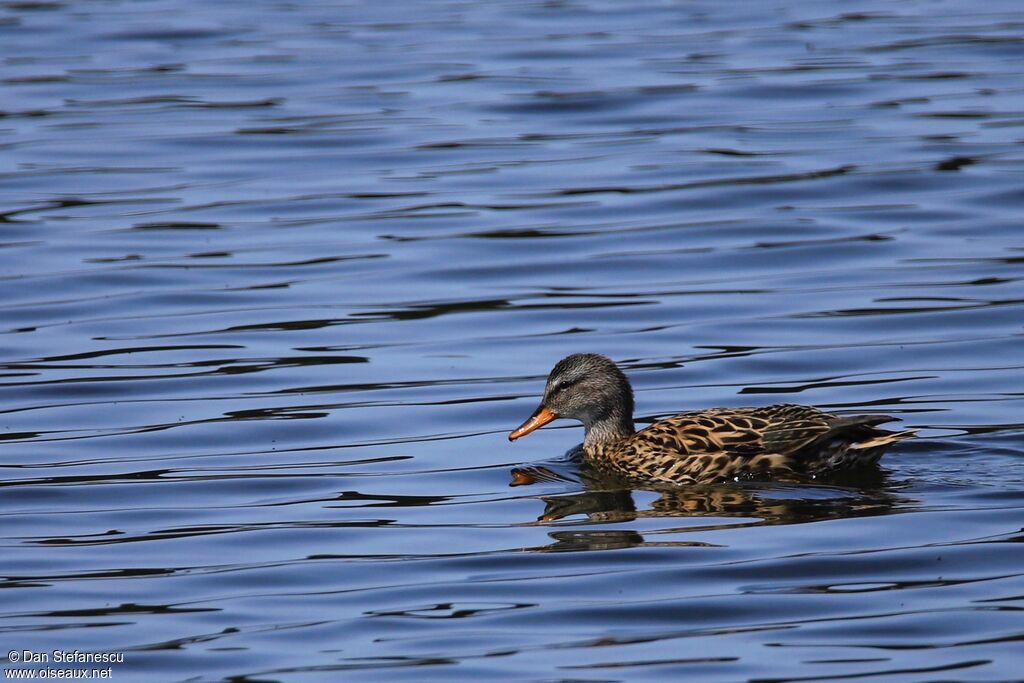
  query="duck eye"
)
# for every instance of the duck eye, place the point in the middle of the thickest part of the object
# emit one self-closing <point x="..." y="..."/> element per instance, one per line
<point x="558" y="386"/>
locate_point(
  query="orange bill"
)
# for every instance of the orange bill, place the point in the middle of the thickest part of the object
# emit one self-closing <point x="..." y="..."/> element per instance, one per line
<point x="540" y="417"/>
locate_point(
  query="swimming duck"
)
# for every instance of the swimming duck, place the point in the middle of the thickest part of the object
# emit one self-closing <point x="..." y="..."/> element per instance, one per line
<point x="779" y="441"/>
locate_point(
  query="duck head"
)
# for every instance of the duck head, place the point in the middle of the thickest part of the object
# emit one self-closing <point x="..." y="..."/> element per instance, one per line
<point x="590" y="388"/>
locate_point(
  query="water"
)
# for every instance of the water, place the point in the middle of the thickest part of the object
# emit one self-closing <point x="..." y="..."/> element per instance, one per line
<point x="277" y="280"/>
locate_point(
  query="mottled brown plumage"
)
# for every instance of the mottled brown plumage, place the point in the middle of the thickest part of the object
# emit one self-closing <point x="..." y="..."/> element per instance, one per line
<point x="786" y="441"/>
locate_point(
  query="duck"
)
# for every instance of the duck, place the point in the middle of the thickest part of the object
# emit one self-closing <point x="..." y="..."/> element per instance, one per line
<point x="785" y="441"/>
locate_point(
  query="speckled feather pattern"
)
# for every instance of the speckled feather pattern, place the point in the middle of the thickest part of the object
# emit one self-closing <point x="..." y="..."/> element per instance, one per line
<point x="780" y="441"/>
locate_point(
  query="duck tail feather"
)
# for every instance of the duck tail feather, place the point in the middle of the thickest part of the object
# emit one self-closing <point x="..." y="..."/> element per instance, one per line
<point x="884" y="439"/>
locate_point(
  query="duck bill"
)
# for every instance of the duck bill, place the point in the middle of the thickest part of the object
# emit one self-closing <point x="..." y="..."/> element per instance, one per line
<point x="540" y="417"/>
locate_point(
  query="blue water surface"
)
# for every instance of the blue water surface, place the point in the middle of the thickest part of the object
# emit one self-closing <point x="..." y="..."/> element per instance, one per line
<point x="276" y="280"/>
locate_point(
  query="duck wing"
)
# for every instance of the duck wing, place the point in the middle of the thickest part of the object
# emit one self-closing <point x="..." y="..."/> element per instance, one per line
<point x="785" y="429"/>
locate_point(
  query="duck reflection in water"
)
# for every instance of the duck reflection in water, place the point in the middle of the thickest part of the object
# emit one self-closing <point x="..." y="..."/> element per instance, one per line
<point x="606" y="499"/>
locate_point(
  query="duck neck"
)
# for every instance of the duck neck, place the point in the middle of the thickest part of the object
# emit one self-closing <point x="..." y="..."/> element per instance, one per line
<point x="608" y="428"/>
